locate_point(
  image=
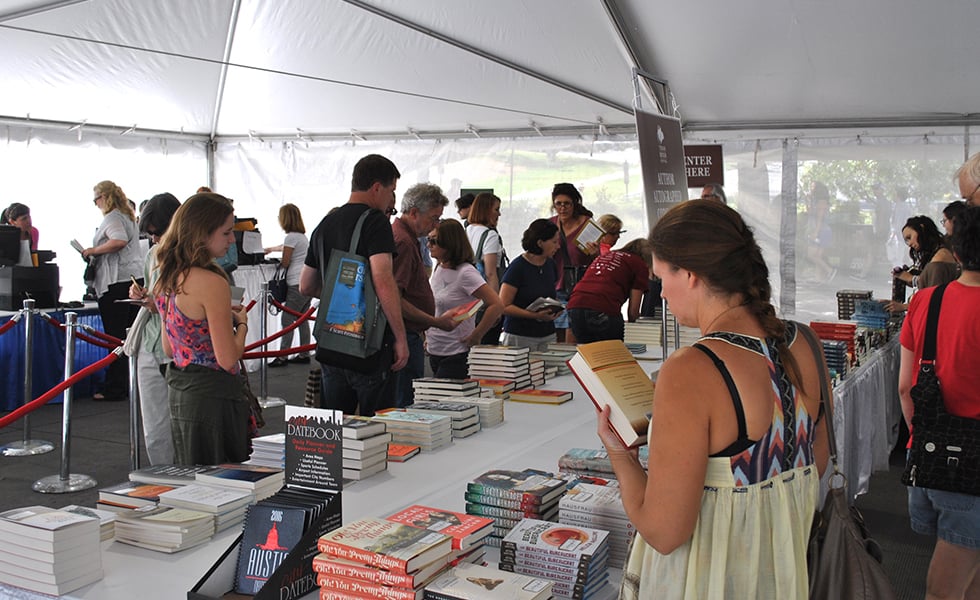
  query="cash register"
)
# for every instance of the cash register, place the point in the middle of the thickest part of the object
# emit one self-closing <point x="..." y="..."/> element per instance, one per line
<point x="19" y="281"/>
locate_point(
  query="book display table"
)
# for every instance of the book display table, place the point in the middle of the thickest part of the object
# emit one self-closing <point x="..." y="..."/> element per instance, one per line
<point x="532" y="436"/>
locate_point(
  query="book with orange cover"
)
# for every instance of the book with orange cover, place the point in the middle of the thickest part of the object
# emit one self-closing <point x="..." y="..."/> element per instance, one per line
<point x="402" y="452"/>
<point x="539" y="396"/>
<point x="611" y="376"/>
<point x="466" y="311"/>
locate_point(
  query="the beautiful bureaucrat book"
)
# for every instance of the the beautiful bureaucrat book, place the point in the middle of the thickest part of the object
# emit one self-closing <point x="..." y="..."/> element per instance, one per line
<point x="466" y="530"/>
<point x="565" y="544"/>
<point x="476" y="582"/>
<point x="611" y="376"/>
<point x="385" y="544"/>
<point x="269" y="533"/>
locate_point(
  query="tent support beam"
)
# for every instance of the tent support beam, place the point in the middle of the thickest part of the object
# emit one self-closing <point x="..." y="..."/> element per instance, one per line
<point x="225" y="59"/>
<point x="618" y="22"/>
<point x="67" y="126"/>
<point x="490" y="57"/>
<point x="878" y="122"/>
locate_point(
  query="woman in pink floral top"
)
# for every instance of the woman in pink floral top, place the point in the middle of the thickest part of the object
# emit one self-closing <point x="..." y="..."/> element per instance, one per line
<point x="205" y="334"/>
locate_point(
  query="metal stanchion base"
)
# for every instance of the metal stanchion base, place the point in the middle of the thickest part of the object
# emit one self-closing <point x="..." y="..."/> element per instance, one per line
<point x="54" y="484"/>
<point x="26" y="448"/>
<point x="271" y="401"/>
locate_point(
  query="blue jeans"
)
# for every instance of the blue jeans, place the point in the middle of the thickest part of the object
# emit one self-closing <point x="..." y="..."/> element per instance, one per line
<point x="348" y="390"/>
<point x="404" y="394"/>
<point x="593" y="326"/>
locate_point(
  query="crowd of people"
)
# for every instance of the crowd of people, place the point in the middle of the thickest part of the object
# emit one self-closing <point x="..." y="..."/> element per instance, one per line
<point x="737" y="435"/>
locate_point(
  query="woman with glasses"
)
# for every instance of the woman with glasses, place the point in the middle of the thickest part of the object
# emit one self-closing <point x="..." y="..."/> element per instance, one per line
<point x="571" y="218"/>
<point x="613" y="227"/>
<point x="455" y="282"/>
<point x="117" y="258"/>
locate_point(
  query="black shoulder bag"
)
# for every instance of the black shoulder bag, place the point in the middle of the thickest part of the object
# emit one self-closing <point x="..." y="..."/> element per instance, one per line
<point x="945" y="452"/>
<point x="843" y="561"/>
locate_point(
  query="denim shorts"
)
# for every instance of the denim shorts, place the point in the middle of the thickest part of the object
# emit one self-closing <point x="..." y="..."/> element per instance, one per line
<point x="953" y="517"/>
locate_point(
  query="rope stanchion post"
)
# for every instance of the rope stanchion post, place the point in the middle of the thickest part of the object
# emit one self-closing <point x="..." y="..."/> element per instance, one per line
<point x="28" y="446"/>
<point x="65" y="481"/>
<point x="265" y="400"/>
<point x="134" y="412"/>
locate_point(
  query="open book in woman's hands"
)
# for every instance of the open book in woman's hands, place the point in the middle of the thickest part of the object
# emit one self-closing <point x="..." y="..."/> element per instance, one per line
<point x="543" y="304"/>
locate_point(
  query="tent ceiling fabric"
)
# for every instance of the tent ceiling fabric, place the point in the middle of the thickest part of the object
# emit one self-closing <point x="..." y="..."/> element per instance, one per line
<point x="332" y="67"/>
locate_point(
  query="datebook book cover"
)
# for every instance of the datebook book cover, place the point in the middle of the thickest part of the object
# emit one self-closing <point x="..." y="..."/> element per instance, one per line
<point x="314" y="448"/>
<point x="610" y="375"/>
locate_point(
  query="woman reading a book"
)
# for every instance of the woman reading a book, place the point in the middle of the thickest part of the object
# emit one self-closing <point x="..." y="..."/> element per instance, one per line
<point x="736" y="437"/>
<point x="530" y="276"/>
<point x="571" y="217"/>
<point x="456" y="283"/>
<point x="204" y="334"/>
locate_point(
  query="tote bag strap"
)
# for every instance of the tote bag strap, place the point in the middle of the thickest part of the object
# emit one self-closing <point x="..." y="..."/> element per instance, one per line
<point x="479" y="247"/>
<point x="355" y="238"/>
<point x="825" y="410"/>
<point x="932" y="326"/>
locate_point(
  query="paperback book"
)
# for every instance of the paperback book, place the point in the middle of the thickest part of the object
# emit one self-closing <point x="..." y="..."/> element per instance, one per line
<point x="402" y="452"/>
<point x="130" y="494"/>
<point x="540" y="396"/>
<point x="170" y="475"/>
<point x="476" y="582"/>
<point x="314" y="448"/>
<point x="530" y="485"/>
<point x="357" y="427"/>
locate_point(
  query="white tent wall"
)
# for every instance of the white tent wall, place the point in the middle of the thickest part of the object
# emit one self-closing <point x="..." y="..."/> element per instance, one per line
<point x="53" y="173"/>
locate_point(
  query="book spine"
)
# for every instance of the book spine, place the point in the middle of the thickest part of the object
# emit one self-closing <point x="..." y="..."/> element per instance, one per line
<point x="570" y="558"/>
<point x="364" y="588"/>
<point x="560" y="570"/>
<point x="521" y="505"/>
<point x="485" y="510"/>
<point x="363" y="572"/>
<point x="362" y="556"/>
<point x="490" y="491"/>
<point x="550" y="573"/>
<point x="432" y="595"/>
<point x="585" y="563"/>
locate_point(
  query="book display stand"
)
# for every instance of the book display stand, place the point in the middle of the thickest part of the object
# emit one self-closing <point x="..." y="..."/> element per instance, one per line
<point x="313" y="465"/>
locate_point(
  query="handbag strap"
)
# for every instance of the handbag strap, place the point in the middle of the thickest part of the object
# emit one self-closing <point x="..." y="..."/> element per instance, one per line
<point x="824" y="376"/>
<point x="479" y="247"/>
<point x="932" y="326"/>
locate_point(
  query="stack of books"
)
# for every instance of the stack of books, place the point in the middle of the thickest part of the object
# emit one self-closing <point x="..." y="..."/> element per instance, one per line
<point x="49" y="551"/>
<point x="441" y="389"/>
<point x="129" y="495"/>
<point x="838" y="331"/>
<point x="269" y="451"/>
<point x="107" y="519"/>
<point x="365" y="450"/>
<point x="427" y="431"/>
<point x="837" y="358"/>
<point x="378" y="558"/>
<point x="164" y="528"/>
<point x="262" y="482"/>
<point x="491" y="408"/>
<point x="465" y="415"/>
<point x="469" y="532"/>
<point x="171" y="475"/>
<point x="870" y="314"/>
<point x="509" y="496"/>
<point x="540" y="396"/>
<point x="555" y="357"/>
<point x="847" y="301"/>
<point x="593" y="462"/>
<point x="686" y="336"/>
<point x="501" y="388"/>
<point x="476" y="582"/>
<point x="599" y="507"/>
<point x="536" y="371"/>
<point x="500" y="362"/>
<point x="645" y="330"/>
<point x="573" y="557"/>
<point x="226" y="504"/>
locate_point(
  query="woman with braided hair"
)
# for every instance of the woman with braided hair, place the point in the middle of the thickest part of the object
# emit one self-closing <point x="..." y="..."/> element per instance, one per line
<point x="736" y="444"/>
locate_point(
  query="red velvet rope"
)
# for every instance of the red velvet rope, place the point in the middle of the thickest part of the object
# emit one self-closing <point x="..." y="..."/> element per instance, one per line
<point x="102" y="335"/>
<point x="61" y="387"/>
<point x="10" y="324"/>
<point x="288" y="310"/>
<point x="282" y="332"/>
<point x="286" y="352"/>
<point x="80" y="335"/>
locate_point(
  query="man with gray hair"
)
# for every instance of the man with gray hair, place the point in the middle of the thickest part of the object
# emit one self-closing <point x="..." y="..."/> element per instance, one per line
<point x="968" y="176"/>
<point x="421" y="209"/>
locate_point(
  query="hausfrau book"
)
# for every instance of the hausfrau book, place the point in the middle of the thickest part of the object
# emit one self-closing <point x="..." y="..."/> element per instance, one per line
<point x="591" y="234"/>
<point x="611" y="376"/>
<point x="314" y="448"/>
<point x="466" y="311"/>
<point x="385" y="544"/>
<point x="476" y="582"/>
<point x="466" y="530"/>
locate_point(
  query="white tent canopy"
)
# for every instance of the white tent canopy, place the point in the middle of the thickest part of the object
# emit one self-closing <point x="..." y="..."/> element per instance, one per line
<point x="428" y="68"/>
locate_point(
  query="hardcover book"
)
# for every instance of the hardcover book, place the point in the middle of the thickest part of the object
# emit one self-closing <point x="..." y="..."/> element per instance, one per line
<point x="362" y="588"/>
<point x="466" y="530"/>
<point x="475" y="582"/>
<point x="270" y="532"/>
<point x="544" y="304"/>
<point x="443" y="383"/>
<point x="539" y="396"/>
<point x="577" y="544"/>
<point x="367" y="443"/>
<point x="402" y="452"/>
<point x="385" y="544"/>
<point x="498" y="350"/>
<point x="530" y="485"/>
<point x="357" y="427"/>
<point x="466" y="311"/>
<point x="314" y="448"/>
<point x="612" y="377"/>
<point x="323" y="563"/>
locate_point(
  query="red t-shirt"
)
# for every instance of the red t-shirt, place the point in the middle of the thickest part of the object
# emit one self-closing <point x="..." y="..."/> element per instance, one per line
<point x="608" y="281"/>
<point x="957" y="345"/>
